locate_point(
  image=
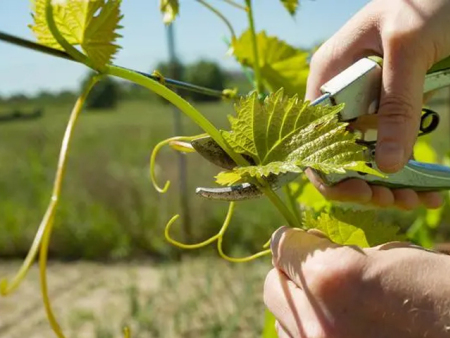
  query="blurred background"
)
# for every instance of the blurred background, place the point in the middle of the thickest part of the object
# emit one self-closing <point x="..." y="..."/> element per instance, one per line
<point x="110" y="264"/>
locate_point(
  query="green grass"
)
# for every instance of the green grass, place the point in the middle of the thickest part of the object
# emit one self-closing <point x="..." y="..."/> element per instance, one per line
<point x="201" y="297"/>
<point x="109" y="209"/>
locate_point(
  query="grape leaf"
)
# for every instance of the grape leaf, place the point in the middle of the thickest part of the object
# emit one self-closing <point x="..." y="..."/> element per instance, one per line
<point x="310" y="197"/>
<point x="169" y="9"/>
<point x="92" y="24"/>
<point x="284" y="134"/>
<point x="290" y="5"/>
<point x="281" y="65"/>
<point x="351" y="227"/>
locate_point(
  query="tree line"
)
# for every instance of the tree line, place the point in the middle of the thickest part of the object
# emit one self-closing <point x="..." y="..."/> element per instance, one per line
<point x="108" y="92"/>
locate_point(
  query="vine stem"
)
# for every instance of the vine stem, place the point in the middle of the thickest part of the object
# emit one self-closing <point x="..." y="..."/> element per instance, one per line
<point x="256" y="69"/>
<point x="282" y="208"/>
<point x="220" y="15"/>
<point x="181" y="104"/>
<point x="46" y="223"/>
<point x="292" y="202"/>
<point x="71" y="50"/>
<point x="43" y="253"/>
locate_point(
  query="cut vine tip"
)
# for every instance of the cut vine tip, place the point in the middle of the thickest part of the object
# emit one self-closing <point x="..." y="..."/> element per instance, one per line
<point x="267" y="244"/>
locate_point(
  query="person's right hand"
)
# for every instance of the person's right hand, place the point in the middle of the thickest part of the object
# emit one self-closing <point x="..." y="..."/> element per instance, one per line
<point x="411" y="36"/>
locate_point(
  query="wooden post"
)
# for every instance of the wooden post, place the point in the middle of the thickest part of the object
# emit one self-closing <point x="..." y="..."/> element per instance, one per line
<point x="178" y="130"/>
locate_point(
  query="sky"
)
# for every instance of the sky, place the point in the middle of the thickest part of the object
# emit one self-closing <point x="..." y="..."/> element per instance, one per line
<point x="198" y="34"/>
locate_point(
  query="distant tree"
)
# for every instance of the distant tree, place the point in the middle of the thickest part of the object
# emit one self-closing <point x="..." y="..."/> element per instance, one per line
<point x="206" y="74"/>
<point x="132" y="91"/>
<point x="104" y="95"/>
<point x="66" y="96"/>
<point x="18" y="98"/>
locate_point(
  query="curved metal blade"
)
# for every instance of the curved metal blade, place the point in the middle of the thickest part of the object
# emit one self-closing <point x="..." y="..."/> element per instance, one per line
<point x="245" y="191"/>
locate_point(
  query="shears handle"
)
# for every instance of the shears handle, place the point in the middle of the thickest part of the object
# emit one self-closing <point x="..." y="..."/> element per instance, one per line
<point x="415" y="175"/>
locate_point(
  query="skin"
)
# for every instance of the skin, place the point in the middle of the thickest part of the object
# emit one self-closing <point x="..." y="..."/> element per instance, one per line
<point x="411" y="36"/>
<point x="318" y="289"/>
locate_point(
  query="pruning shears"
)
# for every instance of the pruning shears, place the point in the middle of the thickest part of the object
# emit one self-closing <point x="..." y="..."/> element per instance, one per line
<point x="358" y="87"/>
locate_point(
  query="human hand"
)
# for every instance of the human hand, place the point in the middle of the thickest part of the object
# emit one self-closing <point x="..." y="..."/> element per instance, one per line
<point x="318" y="289"/>
<point x="411" y="36"/>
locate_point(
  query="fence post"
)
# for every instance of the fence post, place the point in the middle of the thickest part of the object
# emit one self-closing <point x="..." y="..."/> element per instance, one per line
<point x="178" y="130"/>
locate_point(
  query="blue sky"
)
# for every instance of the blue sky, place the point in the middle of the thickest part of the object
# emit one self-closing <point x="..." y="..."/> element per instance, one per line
<point x="198" y="35"/>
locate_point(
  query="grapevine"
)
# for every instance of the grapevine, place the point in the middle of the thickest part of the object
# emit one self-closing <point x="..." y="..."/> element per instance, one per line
<point x="273" y="132"/>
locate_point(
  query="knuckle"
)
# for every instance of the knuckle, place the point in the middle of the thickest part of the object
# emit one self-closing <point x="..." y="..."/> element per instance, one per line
<point x="406" y="42"/>
<point x="323" y="55"/>
<point x="397" y="109"/>
<point x="337" y="278"/>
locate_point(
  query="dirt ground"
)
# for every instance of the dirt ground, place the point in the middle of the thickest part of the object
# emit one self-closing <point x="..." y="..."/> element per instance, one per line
<point x="195" y="298"/>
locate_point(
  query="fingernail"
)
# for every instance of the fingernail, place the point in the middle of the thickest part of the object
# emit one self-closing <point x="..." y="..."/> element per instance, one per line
<point x="390" y="156"/>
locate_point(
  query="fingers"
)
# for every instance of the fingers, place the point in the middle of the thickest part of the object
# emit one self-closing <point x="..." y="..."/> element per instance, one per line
<point x="406" y="198"/>
<point x="288" y="304"/>
<point x="292" y="247"/>
<point x="281" y="332"/>
<point x="348" y="191"/>
<point x="431" y="200"/>
<point x="359" y="191"/>
<point x="382" y="197"/>
<point x="356" y="39"/>
<point x="400" y="105"/>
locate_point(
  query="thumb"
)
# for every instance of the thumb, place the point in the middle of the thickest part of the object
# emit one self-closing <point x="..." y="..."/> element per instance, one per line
<point x="400" y="110"/>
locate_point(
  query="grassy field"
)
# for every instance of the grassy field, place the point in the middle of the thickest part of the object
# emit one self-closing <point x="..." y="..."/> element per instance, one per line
<point x="204" y="297"/>
<point x="109" y="209"/>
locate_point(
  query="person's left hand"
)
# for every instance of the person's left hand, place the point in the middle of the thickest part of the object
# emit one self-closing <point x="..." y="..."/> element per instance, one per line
<point x="318" y="289"/>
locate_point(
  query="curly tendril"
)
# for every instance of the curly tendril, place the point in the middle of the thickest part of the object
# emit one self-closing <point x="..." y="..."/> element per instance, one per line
<point x="155" y="151"/>
<point x="218" y="237"/>
<point x="265" y="246"/>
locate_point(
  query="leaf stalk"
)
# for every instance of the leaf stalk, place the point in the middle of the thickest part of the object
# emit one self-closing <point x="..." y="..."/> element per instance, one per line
<point x="220" y="15"/>
<point x="71" y="50"/>
<point x="256" y="65"/>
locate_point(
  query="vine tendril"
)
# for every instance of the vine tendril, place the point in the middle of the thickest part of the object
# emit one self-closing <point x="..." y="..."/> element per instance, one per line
<point x="155" y="153"/>
<point x="218" y="237"/>
<point x="182" y="245"/>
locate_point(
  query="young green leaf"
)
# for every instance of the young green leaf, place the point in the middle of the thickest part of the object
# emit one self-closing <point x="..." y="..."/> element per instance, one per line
<point x="285" y="135"/>
<point x="91" y="24"/>
<point x="310" y="197"/>
<point x="281" y="65"/>
<point x="351" y="227"/>
<point x="169" y="9"/>
<point x="290" y="5"/>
